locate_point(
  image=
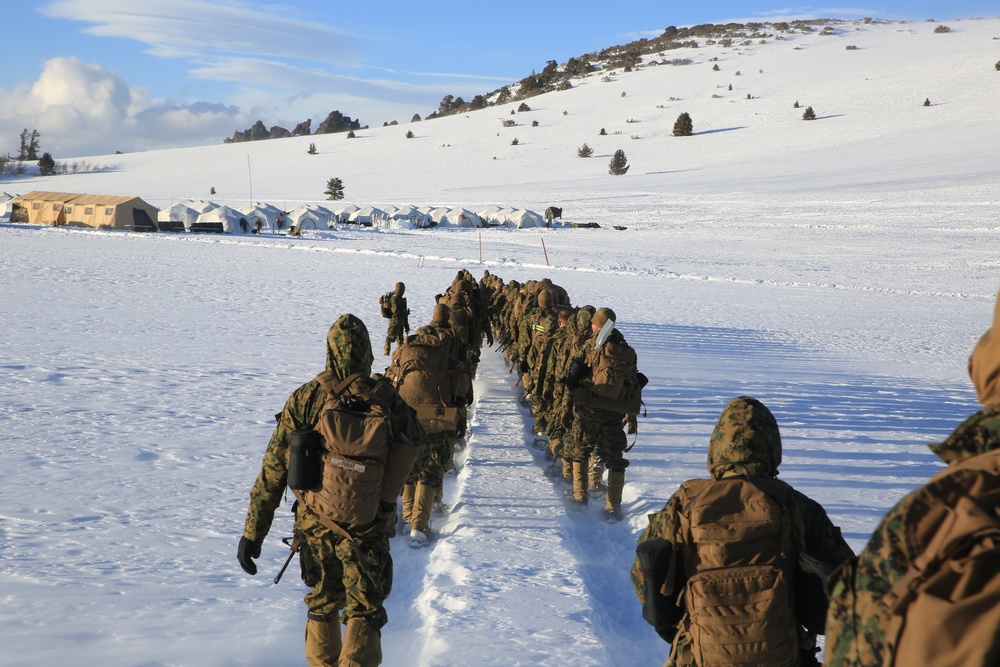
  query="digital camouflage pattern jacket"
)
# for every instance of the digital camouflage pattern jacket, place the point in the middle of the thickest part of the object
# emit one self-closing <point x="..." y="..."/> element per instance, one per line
<point x="348" y="351"/>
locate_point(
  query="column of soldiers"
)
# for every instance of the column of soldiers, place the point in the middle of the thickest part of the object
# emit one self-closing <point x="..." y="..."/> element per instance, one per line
<point x="555" y="350"/>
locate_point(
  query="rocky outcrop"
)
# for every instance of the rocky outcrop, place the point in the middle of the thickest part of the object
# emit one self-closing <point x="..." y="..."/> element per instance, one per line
<point x="337" y="122"/>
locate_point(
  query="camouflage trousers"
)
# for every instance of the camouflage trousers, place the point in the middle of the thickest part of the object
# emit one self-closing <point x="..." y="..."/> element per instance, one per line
<point x="431" y="465"/>
<point x="395" y="333"/>
<point x="597" y="433"/>
<point x="352" y="576"/>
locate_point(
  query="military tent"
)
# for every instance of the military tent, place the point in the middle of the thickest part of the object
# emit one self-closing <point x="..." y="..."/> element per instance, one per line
<point x="524" y="218"/>
<point x="343" y="213"/>
<point x="310" y="216"/>
<point x="6" y="205"/>
<point x="222" y="219"/>
<point x="80" y="210"/>
<point x="269" y="217"/>
<point x="367" y="216"/>
<point x="178" y="217"/>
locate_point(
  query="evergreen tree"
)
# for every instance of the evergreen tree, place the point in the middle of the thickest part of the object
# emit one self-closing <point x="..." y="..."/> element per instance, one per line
<point x="350" y="134"/>
<point x="33" y="147"/>
<point x="22" y="152"/>
<point x="683" y="127"/>
<point x="927" y="102"/>
<point x="585" y="151"/>
<point x="618" y="165"/>
<point x="409" y="134"/>
<point x="334" y="189"/>
<point x="312" y="149"/>
<point x="46" y="165"/>
<point x="809" y="114"/>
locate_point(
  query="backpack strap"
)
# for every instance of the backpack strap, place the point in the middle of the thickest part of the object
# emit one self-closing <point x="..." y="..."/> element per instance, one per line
<point x="327" y="380"/>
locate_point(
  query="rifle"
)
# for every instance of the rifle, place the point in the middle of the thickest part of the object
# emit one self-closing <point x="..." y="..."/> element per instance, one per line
<point x="293" y="543"/>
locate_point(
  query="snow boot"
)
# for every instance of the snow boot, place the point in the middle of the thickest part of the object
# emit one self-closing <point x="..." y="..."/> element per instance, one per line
<point x="613" y="502"/>
<point x="409" y="490"/>
<point x="420" y="524"/>
<point x="581" y="494"/>
<point x="597" y="476"/>
<point x="322" y="641"/>
<point x="362" y="644"/>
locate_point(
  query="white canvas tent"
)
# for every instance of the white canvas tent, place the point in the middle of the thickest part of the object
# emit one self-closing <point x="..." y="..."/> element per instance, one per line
<point x="269" y="217"/>
<point x="492" y="215"/>
<point x="521" y="218"/>
<point x="200" y="205"/>
<point x="368" y="215"/>
<point x="6" y="205"/>
<point x="309" y="216"/>
<point x="461" y="217"/>
<point x="343" y="213"/>
<point x="181" y="214"/>
<point x="223" y="219"/>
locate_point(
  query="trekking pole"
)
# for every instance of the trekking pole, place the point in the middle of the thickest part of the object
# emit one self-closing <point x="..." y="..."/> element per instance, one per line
<point x="294" y="546"/>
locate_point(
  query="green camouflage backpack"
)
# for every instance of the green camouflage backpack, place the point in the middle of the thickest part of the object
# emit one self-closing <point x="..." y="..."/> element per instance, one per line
<point x="737" y="543"/>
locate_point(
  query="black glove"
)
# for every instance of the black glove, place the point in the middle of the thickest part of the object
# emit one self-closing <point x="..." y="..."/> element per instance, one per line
<point x="246" y="552"/>
<point x="460" y="401"/>
<point x="387" y="517"/>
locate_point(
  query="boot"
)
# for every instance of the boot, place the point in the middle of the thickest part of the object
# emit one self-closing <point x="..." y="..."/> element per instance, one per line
<point x="408" y="494"/>
<point x="362" y="645"/>
<point x="581" y="493"/>
<point x="420" y="524"/>
<point x="386" y="348"/>
<point x="613" y="502"/>
<point x="596" y="475"/>
<point x="322" y="642"/>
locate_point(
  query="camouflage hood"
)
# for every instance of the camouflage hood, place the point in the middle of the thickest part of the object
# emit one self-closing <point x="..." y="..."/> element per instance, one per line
<point x="978" y="434"/>
<point x="348" y="348"/>
<point x="984" y="364"/>
<point x="583" y="317"/>
<point x="746" y="440"/>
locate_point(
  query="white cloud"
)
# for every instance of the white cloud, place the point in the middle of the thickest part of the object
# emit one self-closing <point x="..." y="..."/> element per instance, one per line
<point x="86" y="109"/>
<point x="189" y="28"/>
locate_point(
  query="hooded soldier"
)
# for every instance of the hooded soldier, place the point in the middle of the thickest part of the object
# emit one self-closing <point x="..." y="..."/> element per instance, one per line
<point x="859" y="619"/>
<point x="745" y="447"/>
<point x="348" y="570"/>
<point x="399" y="318"/>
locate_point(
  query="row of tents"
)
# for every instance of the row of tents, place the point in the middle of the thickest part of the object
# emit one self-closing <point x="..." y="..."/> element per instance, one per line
<point x="198" y="215"/>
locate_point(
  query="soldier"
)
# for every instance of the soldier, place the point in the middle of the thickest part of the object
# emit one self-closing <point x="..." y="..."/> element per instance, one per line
<point x="731" y="548"/>
<point x="597" y="423"/>
<point x="430" y="375"/>
<point x="874" y="600"/>
<point x="399" y="318"/>
<point x="347" y="566"/>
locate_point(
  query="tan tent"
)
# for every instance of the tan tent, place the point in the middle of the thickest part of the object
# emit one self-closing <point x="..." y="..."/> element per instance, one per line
<point x="104" y="211"/>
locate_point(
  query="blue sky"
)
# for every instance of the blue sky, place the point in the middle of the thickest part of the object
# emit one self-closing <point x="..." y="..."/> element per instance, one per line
<point x="95" y="76"/>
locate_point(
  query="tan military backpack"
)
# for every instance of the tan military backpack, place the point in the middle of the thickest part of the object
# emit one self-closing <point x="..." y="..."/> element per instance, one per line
<point x="738" y="543"/>
<point x="356" y="440"/>
<point x="945" y="611"/>
<point x="614" y="381"/>
<point x="428" y="378"/>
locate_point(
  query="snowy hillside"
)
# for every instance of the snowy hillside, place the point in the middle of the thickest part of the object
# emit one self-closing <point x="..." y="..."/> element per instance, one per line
<point x="840" y="270"/>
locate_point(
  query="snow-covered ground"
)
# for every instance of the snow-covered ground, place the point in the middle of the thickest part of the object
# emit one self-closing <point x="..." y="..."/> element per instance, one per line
<point x="840" y="270"/>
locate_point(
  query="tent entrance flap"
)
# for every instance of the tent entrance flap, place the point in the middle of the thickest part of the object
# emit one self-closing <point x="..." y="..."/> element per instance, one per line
<point x="141" y="222"/>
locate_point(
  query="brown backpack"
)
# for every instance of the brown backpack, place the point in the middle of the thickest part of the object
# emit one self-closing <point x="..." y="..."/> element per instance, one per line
<point x="385" y="305"/>
<point x="738" y="543"/>
<point x="428" y="377"/>
<point x="357" y="439"/>
<point x="946" y="608"/>
<point x="614" y="381"/>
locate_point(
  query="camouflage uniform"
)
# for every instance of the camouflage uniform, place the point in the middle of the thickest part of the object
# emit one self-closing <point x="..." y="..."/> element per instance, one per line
<point x="399" y="321"/>
<point x="351" y="577"/>
<point x="745" y="442"/>
<point x="858" y="620"/>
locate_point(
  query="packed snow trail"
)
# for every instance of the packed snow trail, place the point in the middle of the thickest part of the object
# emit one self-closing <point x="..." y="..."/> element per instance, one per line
<point x="535" y="579"/>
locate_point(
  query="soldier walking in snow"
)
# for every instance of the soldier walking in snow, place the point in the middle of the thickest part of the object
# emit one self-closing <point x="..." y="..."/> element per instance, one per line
<point x="346" y="511"/>
<point x="719" y="569"/>
<point x="394" y="308"/>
